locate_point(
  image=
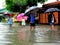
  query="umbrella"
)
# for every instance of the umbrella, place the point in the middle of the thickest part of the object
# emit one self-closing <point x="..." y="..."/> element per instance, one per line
<point x="25" y="17"/>
<point x="31" y="8"/>
<point x="52" y="10"/>
<point x="19" y="17"/>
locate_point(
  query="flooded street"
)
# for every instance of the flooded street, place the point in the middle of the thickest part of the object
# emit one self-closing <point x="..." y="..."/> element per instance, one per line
<point x="19" y="35"/>
<point x="7" y="36"/>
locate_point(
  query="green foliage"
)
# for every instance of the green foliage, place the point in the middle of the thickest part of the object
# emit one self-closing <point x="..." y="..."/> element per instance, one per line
<point x="42" y="1"/>
<point x="32" y="2"/>
<point x="20" y="2"/>
<point x="19" y="5"/>
<point x="9" y="1"/>
<point x="14" y="8"/>
<point x="15" y="5"/>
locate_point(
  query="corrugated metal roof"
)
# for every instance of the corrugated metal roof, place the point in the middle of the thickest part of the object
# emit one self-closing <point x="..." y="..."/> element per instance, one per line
<point x="3" y="10"/>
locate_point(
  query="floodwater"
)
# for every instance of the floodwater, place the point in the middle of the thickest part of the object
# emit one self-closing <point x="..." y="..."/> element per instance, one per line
<point x="18" y="35"/>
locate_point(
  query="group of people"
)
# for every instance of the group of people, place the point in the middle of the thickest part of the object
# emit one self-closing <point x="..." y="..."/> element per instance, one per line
<point x="10" y="21"/>
<point x="51" y="20"/>
<point x="23" y="23"/>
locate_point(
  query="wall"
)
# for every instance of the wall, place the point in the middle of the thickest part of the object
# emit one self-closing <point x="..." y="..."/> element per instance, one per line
<point x="44" y="18"/>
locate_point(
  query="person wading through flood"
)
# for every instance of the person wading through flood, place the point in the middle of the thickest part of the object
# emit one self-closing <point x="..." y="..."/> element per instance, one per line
<point x="32" y="21"/>
<point x="10" y="21"/>
<point x="51" y="20"/>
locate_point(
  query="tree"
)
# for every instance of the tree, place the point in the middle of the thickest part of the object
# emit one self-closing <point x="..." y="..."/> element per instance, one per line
<point x="42" y="1"/>
<point x="15" y="6"/>
<point x="20" y="5"/>
<point x="34" y="2"/>
<point x="20" y="2"/>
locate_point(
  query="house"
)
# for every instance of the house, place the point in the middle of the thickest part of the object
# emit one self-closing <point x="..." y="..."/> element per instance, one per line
<point x="44" y="16"/>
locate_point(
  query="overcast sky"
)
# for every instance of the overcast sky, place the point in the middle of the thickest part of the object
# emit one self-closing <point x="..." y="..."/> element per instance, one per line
<point x="49" y="1"/>
<point x="2" y="3"/>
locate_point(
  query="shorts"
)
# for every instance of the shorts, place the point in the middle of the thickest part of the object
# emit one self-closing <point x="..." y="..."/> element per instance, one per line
<point x="32" y="24"/>
<point x="51" y="24"/>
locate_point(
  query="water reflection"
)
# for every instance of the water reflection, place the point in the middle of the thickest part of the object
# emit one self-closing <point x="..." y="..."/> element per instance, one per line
<point x="7" y="36"/>
<point x="26" y="37"/>
<point x="32" y="36"/>
<point x="48" y="36"/>
<point x="23" y="36"/>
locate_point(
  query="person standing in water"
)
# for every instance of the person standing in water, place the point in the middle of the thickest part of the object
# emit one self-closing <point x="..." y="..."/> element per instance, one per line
<point x="23" y="21"/>
<point x="10" y="21"/>
<point x="32" y="21"/>
<point x="51" y="20"/>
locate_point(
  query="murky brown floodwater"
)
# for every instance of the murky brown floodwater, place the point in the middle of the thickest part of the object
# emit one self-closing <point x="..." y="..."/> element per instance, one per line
<point x="19" y="35"/>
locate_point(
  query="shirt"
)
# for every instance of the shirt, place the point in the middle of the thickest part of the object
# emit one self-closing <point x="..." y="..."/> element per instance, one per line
<point x="10" y="20"/>
<point x="32" y="18"/>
